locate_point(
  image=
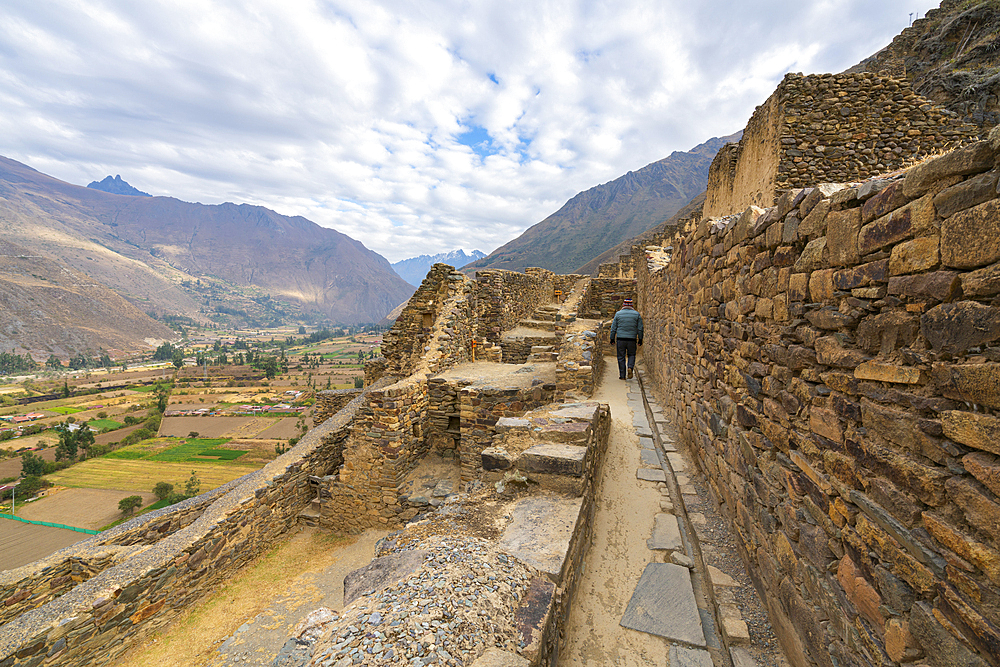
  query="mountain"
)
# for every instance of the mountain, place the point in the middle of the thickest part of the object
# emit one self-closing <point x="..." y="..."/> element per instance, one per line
<point x="599" y="218"/>
<point x="48" y="308"/>
<point x="225" y="263"/>
<point x="414" y="269"/>
<point x="951" y="56"/>
<point x="117" y="186"/>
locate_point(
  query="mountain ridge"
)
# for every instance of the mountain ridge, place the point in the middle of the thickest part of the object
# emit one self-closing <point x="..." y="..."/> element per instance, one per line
<point x="603" y="216"/>
<point x="158" y="252"/>
<point x="117" y="186"/>
<point x="414" y="269"/>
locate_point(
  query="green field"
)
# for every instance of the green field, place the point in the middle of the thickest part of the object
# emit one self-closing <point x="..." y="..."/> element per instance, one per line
<point x="65" y="410"/>
<point x="194" y="450"/>
<point x="101" y="425"/>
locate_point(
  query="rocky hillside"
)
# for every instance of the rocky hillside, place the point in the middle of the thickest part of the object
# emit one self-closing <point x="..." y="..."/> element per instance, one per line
<point x="117" y="186"/>
<point x="604" y="216"/>
<point x="951" y="56"/>
<point x="48" y="308"/>
<point x="205" y="262"/>
<point x="414" y="269"/>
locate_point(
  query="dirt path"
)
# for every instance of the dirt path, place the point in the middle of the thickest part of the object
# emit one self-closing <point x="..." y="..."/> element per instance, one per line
<point x="615" y="561"/>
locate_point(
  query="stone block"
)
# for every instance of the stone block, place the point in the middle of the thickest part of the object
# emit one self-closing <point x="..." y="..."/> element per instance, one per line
<point x="938" y="286"/>
<point x="860" y="276"/>
<point x="973" y="551"/>
<point x="971" y="238"/>
<point x="944" y="649"/>
<point x="531" y="618"/>
<point x="813" y="225"/>
<point x="914" y="219"/>
<point x="979" y="505"/>
<point x="842" y="229"/>
<point x="884" y="333"/>
<point x="973" y="159"/>
<point x="495" y="458"/>
<point x="914" y="256"/>
<point x="830" y="352"/>
<point x="826" y="423"/>
<point x="902" y="428"/>
<point x="813" y="256"/>
<point x="650" y="474"/>
<point x="798" y="287"/>
<point x="885" y="372"/>
<point x="985" y="468"/>
<point x="663" y="604"/>
<point x="821" y="285"/>
<point x="890" y="198"/>
<point x="830" y="319"/>
<point x="975" y="430"/>
<point x="860" y="592"/>
<point x="666" y="534"/>
<point x="982" y="282"/>
<point x="681" y="656"/>
<point x="540" y="531"/>
<point x="973" y="383"/>
<point x="955" y="327"/>
<point x="966" y="194"/>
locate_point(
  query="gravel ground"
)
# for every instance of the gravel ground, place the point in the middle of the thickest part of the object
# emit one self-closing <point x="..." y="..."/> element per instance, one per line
<point x="457" y="605"/>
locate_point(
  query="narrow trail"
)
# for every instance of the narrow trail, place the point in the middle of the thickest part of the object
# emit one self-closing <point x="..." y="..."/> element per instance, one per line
<point x="616" y="558"/>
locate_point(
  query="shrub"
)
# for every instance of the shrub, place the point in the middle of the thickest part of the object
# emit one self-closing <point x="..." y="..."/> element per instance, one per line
<point x="102" y="415"/>
<point x="128" y="505"/>
<point x="163" y="490"/>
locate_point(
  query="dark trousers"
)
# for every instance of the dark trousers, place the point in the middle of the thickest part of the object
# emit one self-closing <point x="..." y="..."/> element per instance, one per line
<point x="625" y="347"/>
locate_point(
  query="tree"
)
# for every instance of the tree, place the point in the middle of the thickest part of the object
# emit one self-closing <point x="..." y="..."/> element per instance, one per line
<point x="128" y="505"/>
<point x="162" y="397"/>
<point x="192" y="486"/>
<point x="65" y="390"/>
<point x="270" y="368"/>
<point x="302" y="330"/>
<point x="162" y="490"/>
<point x="178" y="358"/>
<point x="66" y="449"/>
<point x="359" y="382"/>
<point x="53" y="362"/>
<point x="32" y="465"/>
<point x="84" y="439"/>
<point x="164" y="352"/>
<point x="106" y="360"/>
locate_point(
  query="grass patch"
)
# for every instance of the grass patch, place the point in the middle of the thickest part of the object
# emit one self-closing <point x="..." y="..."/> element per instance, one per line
<point x="65" y="410"/>
<point x="193" y="638"/>
<point x="104" y="425"/>
<point x="224" y="454"/>
<point x="127" y="454"/>
<point x="188" y="450"/>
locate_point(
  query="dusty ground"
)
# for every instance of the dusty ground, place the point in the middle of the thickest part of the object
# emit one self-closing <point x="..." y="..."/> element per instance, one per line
<point x="486" y="374"/>
<point x="282" y="429"/>
<point x="618" y="554"/>
<point x="207" y="427"/>
<point x="261" y="605"/>
<point x="23" y="543"/>
<point x="82" y="508"/>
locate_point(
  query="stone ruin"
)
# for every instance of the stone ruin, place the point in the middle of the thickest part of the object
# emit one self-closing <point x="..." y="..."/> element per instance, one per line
<point x="830" y="354"/>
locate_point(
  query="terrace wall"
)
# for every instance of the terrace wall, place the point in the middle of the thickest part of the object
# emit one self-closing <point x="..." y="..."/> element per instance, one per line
<point x="504" y="298"/>
<point x="604" y="296"/>
<point x="833" y="364"/>
<point x="331" y="401"/>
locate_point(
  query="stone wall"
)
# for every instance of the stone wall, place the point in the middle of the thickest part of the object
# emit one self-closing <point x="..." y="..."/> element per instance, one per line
<point x="604" y="296"/>
<point x="331" y="401"/>
<point x="385" y="442"/>
<point x="580" y="361"/>
<point x="480" y="409"/>
<point x="833" y="364"/>
<point x="121" y="594"/>
<point x="829" y="128"/>
<point x="504" y="298"/>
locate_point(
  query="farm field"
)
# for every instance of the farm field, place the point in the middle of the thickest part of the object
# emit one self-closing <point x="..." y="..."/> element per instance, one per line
<point x="82" y="508"/>
<point x="140" y="476"/>
<point x="207" y="427"/>
<point x="24" y="543"/>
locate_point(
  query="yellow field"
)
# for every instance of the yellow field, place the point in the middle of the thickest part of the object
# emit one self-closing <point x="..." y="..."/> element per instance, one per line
<point x="139" y="476"/>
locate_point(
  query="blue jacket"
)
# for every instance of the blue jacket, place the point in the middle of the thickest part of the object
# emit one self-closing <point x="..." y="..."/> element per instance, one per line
<point x="627" y="324"/>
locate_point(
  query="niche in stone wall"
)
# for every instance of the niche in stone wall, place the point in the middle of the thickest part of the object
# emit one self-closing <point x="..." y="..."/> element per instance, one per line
<point x="428" y="320"/>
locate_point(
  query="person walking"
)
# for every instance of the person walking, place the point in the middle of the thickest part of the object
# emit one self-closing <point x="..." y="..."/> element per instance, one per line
<point x="626" y="334"/>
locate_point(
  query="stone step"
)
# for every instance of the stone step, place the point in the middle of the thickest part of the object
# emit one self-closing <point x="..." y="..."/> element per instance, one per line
<point x="539" y="324"/>
<point x="553" y="459"/>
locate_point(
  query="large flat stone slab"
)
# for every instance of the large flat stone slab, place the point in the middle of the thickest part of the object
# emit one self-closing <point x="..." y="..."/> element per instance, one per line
<point x="666" y="533"/>
<point x="540" y="531"/>
<point x="644" y="432"/>
<point x="663" y="605"/>
<point x="646" y="443"/>
<point x="639" y="421"/>
<point x="649" y="458"/>
<point x="682" y="656"/>
<point x="651" y="474"/>
<point x="553" y="459"/>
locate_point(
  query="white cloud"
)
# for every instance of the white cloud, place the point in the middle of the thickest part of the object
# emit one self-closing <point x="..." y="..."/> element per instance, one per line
<point x="350" y="112"/>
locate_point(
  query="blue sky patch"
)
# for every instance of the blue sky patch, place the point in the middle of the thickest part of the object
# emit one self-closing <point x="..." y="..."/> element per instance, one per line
<point x="478" y="139"/>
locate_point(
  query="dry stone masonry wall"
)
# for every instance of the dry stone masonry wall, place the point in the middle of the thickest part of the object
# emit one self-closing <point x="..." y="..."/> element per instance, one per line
<point x="829" y="128"/>
<point x="833" y="363"/>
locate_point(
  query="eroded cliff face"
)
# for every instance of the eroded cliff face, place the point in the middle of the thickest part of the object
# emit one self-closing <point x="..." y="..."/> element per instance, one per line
<point x="951" y="56"/>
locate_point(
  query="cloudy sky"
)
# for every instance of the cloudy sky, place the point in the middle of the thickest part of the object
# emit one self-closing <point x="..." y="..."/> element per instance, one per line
<point x="415" y="127"/>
